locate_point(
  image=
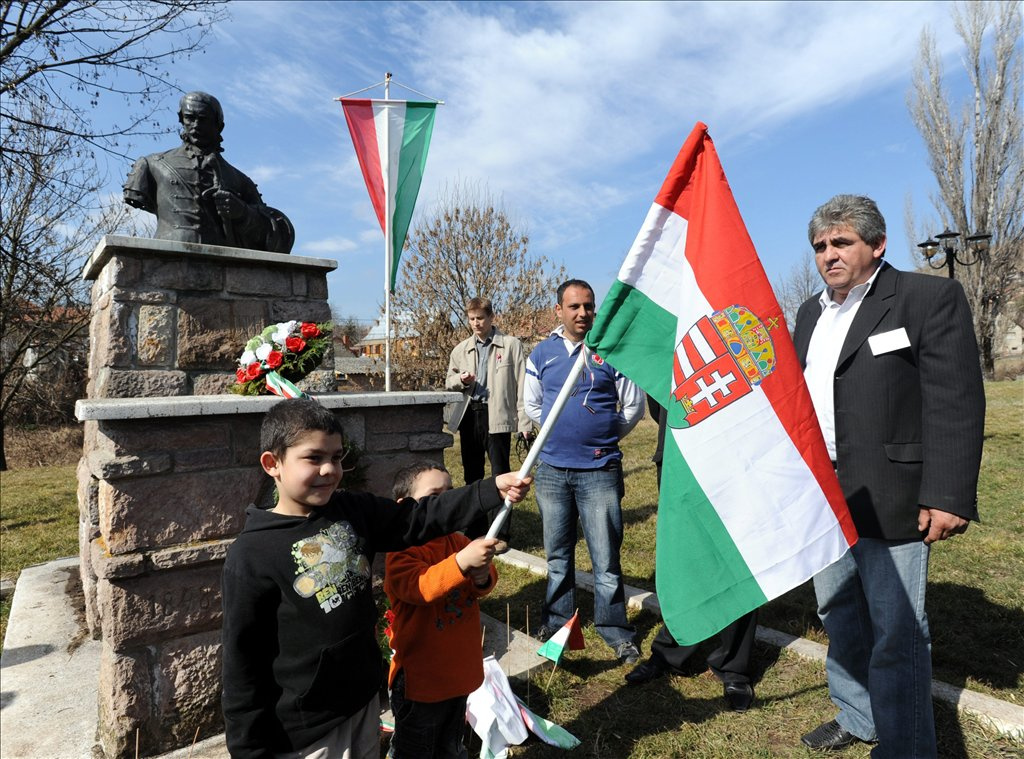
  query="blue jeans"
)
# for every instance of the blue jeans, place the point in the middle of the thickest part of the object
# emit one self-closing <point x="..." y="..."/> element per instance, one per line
<point x="879" y="664"/>
<point x="592" y="497"/>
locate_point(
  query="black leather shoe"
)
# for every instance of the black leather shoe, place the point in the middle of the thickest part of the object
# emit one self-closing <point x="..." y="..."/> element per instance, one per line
<point x="739" y="696"/>
<point x="829" y="737"/>
<point x="649" y="670"/>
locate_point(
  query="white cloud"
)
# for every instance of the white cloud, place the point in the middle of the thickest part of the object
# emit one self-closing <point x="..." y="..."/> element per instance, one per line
<point x="329" y="245"/>
<point x="265" y="173"/>
<point x="558" y="107"/>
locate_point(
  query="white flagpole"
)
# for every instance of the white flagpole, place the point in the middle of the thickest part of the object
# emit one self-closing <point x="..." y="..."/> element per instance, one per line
<point x="388" y="210"/>
<point x="542" y="436"/>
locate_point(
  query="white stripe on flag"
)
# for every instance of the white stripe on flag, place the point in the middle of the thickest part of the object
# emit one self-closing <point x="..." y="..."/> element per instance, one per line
<point x="701" y="345"/>
<point x="389" y="116"/>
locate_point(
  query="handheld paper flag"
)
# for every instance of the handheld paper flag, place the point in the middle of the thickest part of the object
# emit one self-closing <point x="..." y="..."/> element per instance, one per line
<point x="568" y="636"/>
<point x="391" y="138"/>
<point x="546" y="730"/>
<point x="493" y="712"/>
<point x="750" y="506"/>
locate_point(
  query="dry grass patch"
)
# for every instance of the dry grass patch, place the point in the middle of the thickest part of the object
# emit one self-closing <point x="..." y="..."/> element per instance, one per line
<point x="43" y="446"/>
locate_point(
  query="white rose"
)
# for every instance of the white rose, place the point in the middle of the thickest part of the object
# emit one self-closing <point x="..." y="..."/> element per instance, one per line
<point x="263" y="351"/>
<point x="247" y="358"/>
<point x="284" y="330"/>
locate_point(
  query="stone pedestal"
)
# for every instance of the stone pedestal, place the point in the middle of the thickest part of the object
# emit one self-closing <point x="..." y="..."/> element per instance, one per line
<point x="171" y="318"/>
<point x="168" y="468"/>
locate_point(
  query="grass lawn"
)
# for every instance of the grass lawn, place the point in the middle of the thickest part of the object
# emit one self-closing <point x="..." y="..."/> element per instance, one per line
<point x="975" y="606"/>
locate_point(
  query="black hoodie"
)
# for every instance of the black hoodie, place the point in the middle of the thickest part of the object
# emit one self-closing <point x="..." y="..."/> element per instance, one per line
<point x="299" y="640"/>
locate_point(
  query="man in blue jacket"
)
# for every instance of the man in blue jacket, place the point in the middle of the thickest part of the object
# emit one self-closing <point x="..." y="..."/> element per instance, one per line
<point x="579" y="478"/>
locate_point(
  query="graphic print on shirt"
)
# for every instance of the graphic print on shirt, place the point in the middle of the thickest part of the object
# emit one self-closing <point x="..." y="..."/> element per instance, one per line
<point x="454" y="603"/>
<point x="329" y="566"/>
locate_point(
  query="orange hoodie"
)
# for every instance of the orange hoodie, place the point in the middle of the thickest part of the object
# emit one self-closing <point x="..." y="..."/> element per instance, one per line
<point x="436" y="631"/>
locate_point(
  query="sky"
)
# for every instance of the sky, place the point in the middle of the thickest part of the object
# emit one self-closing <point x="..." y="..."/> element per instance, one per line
<point x="572" y="113"/>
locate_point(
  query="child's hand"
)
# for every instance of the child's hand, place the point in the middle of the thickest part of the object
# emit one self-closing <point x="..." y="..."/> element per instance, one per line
<point x="511" y="487"/>
<point x="477" y="555"/>
<point x="481" y="576"/>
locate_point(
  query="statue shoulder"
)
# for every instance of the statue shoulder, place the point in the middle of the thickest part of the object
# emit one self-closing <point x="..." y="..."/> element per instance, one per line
<point x="237" y="180"/>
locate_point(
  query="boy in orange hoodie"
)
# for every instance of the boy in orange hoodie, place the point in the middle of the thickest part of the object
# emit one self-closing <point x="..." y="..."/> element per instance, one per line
<point x="433" y="590"/>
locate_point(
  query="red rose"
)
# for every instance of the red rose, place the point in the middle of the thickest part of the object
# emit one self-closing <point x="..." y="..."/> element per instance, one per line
<point x="274" y="359"/>
<point x="308" y="330"/>
<point x="253" y="370"/>
<point x="295" y="344"/>
<point x="240" y="375"/>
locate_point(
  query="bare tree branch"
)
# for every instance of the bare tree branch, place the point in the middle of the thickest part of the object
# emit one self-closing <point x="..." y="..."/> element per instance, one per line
<point x="467" y="247"/>
<point x="56" y="52"/>
<point x="977" y="157"/>
<point x="800" y="284"/>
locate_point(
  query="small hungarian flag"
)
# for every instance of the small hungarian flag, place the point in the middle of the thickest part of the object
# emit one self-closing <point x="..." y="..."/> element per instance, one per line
<point x="278" y="385"/>
<point x="549" y="732"/>
<point x="750" y="506"/>
<point x="391" y="138"/>
<point x="568" y="636"/>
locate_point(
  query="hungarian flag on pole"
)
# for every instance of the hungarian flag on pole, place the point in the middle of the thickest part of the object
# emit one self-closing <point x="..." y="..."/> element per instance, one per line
<point x="569" y="636"/>
<point x="750" y="506"/>
<point x="391" y="138"/>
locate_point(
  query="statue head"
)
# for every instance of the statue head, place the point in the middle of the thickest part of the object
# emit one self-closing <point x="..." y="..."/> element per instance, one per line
<point x="202" y="120"/>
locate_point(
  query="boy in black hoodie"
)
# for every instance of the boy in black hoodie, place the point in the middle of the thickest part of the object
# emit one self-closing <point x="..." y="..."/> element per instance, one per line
<point x="301" y="663"/>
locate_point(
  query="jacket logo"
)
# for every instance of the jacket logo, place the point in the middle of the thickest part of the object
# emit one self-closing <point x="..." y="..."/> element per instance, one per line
<point x="720" y="359"/>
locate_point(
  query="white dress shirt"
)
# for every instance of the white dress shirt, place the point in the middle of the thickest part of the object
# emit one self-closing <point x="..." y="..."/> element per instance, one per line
<point x="823" y="354"/>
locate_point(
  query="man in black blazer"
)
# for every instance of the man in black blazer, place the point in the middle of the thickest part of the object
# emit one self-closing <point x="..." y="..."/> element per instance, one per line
<point x="892" y="365"/>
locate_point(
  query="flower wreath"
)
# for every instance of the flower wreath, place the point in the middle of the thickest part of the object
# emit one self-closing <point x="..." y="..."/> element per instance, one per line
<point x="281" y="354"/>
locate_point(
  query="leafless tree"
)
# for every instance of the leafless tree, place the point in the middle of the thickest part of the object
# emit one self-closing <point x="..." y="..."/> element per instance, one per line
<point x="976" y="154"/>
<point x="467" y="247"/>
<point x="800" y="284"/>
<point x="58" y="58"/>
<point x="51" y="220"/>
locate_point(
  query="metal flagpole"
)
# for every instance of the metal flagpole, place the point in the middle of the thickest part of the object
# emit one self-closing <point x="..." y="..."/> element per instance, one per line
<point x="387" y="236"/>
<point x="542" y="436"/>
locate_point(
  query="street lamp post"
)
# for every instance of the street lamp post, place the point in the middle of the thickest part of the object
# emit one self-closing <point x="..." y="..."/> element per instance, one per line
<point x="976" y="245"/>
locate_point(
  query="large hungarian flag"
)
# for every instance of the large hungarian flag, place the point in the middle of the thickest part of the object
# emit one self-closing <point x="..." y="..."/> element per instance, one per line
<point x="750" y="506"/>
<point x="391" y="138"/>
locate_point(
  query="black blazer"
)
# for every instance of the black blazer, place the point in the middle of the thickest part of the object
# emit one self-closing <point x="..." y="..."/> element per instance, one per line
<point x="909" y="422"/>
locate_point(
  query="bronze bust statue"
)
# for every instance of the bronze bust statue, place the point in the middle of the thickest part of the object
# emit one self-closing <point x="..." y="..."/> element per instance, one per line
<point x="199" y="197"/>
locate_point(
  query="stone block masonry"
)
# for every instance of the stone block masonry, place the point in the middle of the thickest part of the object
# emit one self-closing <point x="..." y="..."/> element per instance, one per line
<point x="170" y="318"/>
<point x="170" y="463"/>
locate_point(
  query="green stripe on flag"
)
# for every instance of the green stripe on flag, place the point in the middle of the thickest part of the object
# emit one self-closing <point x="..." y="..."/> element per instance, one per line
<point x="419" y="123"/>
<point x="632" y="333"/>
<point x="701" y="547"/>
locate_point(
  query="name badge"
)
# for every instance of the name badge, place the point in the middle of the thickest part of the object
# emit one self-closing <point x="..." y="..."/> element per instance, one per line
<point x="887" y="342"/>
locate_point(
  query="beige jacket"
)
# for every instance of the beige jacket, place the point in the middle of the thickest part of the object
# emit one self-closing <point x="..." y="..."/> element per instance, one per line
<point x="506" y="377"/>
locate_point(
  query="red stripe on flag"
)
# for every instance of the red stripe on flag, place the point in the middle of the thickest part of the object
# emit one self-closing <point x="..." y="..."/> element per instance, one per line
<point x="359" y="116"/>
<point x="728" y="272"/>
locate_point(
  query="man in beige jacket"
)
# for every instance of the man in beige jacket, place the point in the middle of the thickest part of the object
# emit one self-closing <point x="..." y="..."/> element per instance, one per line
<point x="489" y="369"/>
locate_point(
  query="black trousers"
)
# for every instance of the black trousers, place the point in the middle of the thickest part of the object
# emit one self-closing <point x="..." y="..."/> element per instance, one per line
<point x="476" y="441"/>
<point x="730" y="661"/>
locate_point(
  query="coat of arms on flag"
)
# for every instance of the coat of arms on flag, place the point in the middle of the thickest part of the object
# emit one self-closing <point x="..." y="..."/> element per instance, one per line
<point x="719" y="360"/>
